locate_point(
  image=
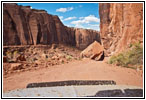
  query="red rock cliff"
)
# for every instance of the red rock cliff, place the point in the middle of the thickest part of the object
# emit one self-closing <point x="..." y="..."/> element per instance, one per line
<point x="120" y="25"/>
<point x="25" y="26"/>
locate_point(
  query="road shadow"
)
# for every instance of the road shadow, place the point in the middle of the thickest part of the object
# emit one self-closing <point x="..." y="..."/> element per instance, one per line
<point x="71" y="82"/>
<point x="119" y="93"/>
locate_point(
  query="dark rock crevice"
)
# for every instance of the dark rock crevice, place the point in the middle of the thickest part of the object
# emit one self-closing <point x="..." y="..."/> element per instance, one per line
<point x="10" y="26"/>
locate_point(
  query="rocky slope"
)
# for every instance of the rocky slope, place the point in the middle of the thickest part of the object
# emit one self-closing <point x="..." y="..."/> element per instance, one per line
<point x="120" y="25"/>
<point x="25" y="26"/>
<point x="24" y="58"/>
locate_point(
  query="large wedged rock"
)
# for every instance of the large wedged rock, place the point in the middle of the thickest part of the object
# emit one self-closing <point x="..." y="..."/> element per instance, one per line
<point x="93" y="51"/>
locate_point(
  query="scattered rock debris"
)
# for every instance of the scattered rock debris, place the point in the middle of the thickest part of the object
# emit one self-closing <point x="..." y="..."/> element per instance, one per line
<point x="17" y="59"/>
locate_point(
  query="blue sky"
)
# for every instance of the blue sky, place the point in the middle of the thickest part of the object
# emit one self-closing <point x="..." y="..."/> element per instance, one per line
<point x="80" y="15"/>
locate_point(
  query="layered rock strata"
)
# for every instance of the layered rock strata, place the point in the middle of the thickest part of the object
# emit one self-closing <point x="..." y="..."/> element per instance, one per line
<point x="120" y="25"/>
<point x="25" y="26"/>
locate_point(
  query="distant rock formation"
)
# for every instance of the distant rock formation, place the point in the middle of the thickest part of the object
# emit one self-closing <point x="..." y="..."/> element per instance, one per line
<point x="120" y="25"/>
<point x="25" y="26"/>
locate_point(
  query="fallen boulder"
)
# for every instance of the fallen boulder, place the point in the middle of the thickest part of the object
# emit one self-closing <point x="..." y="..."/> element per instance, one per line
<point x="93" y="51"/>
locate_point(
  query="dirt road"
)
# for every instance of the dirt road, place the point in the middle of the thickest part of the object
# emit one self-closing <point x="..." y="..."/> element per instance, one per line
<point x="78" y="70"/>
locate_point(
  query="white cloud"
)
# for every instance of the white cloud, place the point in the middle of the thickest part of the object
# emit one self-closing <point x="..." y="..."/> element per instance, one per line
<point x="70" y="8"/>
<point x="85" y="20"/>
<point x="94" y="26"/>
<point x="81" y="17"/>
<point x="90" y="18"/>
<point x="89" y="22"/>
<point x="97" y="29"/>
<point x="61" y="10"/>
<point x="79" y="26"/>
<point x="64" y="9"/>
<point x="69" y="18"/>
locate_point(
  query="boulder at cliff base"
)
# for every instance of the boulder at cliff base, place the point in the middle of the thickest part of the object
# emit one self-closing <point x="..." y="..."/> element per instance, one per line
<point x="93" y="51"/>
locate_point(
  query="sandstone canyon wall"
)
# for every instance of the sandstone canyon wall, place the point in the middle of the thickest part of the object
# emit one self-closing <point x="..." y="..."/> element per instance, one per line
<point x="25" y="26"/>
<point x="120" y="25"/>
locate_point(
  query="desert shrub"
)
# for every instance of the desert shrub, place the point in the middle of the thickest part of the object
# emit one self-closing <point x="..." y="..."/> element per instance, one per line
<point x="9" y="54"/>
<point x="130" y="58"/>
<point x="68" y="57"/>
<point x="112" y="59"/>
<point x="16" y="54"/>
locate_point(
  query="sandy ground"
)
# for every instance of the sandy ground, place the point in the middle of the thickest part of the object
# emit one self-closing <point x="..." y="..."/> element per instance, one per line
<point x="85" y="69"/>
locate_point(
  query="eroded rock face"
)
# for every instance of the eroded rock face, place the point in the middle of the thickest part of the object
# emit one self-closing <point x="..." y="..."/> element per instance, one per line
<point x="26" y="26"/>
<point x="85" y="37"/>
<point x="120" y="25"/>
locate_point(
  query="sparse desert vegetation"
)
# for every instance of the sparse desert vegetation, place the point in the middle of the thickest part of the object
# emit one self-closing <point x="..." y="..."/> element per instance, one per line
<point x="132" y="58"/>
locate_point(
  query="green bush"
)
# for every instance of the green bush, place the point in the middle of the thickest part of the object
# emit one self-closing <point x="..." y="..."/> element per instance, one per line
<point x="68" y="57"/>
<point x="9" y="54"/>
<point x="15" y="54"/>
<point x="130" y="58"/>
